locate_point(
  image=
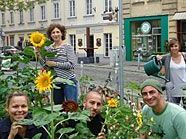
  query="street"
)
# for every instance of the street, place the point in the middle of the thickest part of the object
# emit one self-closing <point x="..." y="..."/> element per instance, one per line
<point x="100" y="73"/>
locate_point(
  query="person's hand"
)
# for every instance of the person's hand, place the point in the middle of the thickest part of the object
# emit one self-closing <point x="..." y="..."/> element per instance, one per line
<point x="14" y="130"/>
<point x="101" y="135"/>
<point x="159" y="57"/>
<point x="51" y="63"/>
<point x="37" y="52"/>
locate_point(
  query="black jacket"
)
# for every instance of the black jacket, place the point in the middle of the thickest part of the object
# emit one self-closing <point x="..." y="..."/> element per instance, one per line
<point x="5" y="126"/>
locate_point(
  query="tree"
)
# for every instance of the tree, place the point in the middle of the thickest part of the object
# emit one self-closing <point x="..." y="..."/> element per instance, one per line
<point x="18" y="4"/>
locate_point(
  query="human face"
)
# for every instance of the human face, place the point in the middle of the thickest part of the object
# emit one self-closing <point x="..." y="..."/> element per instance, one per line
<point x="151" y="96"/>
<point x="56" y="35"/>
<point x="93" y="103"/>
<point x="174" y="48"/>
<point x="18" y="108"/>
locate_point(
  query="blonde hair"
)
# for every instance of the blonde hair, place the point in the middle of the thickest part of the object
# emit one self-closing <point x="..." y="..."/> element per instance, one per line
<point x="13" y="94"/>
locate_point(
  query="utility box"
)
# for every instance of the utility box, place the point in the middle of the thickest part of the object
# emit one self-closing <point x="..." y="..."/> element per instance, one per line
<point x="114" y="57"/>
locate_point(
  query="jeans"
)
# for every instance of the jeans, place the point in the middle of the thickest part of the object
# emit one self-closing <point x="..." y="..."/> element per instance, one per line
<point x="177" y="100"/>
<point x="65" y="92"/>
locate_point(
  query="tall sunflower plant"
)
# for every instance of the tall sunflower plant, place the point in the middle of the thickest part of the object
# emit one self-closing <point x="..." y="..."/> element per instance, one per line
<point x="124" y="121"/>
<point x="54" y="118"/>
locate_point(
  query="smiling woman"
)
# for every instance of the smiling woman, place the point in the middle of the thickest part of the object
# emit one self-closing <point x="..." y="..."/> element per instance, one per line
<point x="63" y="63"/>
<point x="17" y="105"/>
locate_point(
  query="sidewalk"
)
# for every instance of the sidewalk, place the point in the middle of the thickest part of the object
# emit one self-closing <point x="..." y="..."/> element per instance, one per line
<point x="127" y="66"/>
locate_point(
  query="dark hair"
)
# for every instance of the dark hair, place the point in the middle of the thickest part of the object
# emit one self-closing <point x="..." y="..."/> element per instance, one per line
<point x="60" y="27"/>
<point x="13" y="94"/>
<point x="173" y="41"/>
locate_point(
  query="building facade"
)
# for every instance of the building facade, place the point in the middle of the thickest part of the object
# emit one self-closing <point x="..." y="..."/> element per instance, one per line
<point x="92" y="26"/>
<point x="148" y="24"/>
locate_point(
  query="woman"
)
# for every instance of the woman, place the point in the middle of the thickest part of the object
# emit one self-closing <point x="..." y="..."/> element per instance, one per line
<point x="63" y="64"/>
<point x="174" y="69"/>
<point x="17" y="105"/>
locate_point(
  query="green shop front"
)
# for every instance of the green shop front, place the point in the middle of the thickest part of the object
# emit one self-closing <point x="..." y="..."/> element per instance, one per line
<point x="145" y="36"/>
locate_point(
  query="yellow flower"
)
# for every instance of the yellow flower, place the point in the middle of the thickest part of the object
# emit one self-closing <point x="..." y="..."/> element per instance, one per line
<point x="113" y="103"/>
<point x="139" y="118"/>
<point x="37" y="39"/>
<point x="44" y="81"/>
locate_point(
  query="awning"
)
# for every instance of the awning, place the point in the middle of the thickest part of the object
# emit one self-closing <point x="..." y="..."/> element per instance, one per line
<point x="179" y="16"/>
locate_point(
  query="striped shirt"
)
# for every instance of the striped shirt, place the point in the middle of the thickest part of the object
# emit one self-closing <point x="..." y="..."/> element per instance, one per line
<point x="65" y="58"/>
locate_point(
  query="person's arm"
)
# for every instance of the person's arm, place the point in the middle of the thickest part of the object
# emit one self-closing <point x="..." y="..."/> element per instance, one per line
<point x="39" y="57"/>
<point x="71" y="63"/>
<point x="179" y="124"/>
<point x="161" y="58"/>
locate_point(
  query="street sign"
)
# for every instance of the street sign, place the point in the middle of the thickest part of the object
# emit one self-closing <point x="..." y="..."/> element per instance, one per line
<point x="108" y="17"/>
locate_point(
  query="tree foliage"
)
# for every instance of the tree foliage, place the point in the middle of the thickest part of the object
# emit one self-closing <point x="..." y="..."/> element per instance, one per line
<point x="19" y="4"/>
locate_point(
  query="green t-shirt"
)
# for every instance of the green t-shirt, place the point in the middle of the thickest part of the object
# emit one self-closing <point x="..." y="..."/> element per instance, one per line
<point x="170" y="124"/>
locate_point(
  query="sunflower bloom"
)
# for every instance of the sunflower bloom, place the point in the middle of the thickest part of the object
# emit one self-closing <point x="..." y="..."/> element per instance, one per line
<point x="113" y="103"/>
<point x="37" y="39"/>
<point x="44" y="81"/>
<point x="139" y="119"/>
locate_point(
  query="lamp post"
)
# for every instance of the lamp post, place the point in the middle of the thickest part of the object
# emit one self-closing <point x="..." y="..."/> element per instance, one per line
<point x="121" y="52"/>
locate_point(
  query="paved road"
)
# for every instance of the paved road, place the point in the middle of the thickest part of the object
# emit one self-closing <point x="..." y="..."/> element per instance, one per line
<point x="100" y="73"/>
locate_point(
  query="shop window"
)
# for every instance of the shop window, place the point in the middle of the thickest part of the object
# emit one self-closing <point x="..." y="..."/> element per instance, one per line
<point x="146" y="37"/>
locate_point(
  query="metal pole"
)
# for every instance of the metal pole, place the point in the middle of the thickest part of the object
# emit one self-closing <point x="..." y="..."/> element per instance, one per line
<point x="121" y="52"/>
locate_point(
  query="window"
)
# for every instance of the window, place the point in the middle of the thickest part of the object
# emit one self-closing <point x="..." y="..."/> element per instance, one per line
<point x="3" y="18"/>
<point x="73" y="41"/>
<point x="31" y="12"/>
<point x="108" y="43"/>
<point x="56" y="10"/>
<point x="12" y="40"/>
<point x="108" y="6"/>
<point x="21" y="17"/>
<point x="72" y="7"/>
<point x="11" y="17"/>
<point x="43" y="12"/>
<point x="89" y="6"/>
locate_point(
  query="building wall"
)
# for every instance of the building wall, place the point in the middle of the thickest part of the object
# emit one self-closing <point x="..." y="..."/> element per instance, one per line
<point x="144" y="9"/>
<point x="75" y="25"/>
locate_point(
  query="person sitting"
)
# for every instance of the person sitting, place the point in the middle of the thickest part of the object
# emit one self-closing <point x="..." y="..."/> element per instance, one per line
<point x="169" y="118"/>
<point x="17" y="105"/>
<point x="93" y="102"/>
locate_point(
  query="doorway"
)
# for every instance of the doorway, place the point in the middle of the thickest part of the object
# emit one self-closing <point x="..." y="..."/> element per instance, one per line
<point x="90" y="50"/>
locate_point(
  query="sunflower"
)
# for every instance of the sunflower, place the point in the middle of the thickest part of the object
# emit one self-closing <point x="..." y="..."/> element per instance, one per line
<point x="44" y="81"/>
<point x="37" y="39"/>
<point x="70" y="106"/>
<point x="113" y="103"/>
<point x="139" y="119"/>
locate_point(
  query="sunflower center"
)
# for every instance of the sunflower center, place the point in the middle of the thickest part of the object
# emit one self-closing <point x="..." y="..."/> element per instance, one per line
<point x="37" y="39"/>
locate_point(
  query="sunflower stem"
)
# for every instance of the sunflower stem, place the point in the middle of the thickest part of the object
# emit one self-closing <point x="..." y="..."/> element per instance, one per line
<point x="52" y="111"/>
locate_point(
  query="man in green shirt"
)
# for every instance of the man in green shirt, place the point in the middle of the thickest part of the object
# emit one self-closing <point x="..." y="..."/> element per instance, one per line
<point x="169" y="118"/>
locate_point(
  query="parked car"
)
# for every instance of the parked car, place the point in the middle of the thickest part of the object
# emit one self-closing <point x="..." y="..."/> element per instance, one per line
<point x="10" y="50"/>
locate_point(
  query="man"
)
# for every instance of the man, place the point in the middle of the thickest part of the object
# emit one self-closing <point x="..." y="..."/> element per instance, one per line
<point x="169" y="118"/>
<point x="93" y="102"/>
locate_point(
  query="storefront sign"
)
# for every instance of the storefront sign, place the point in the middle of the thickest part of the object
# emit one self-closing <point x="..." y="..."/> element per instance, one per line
<point x="145" y="27"/>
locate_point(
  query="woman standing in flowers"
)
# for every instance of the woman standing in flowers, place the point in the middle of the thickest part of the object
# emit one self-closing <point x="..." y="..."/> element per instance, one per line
<point x="17" y="105"/>
<point x="63" y="63"/>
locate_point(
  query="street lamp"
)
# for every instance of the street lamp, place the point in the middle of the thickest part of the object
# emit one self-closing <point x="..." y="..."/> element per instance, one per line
<point x="121" y="52"/>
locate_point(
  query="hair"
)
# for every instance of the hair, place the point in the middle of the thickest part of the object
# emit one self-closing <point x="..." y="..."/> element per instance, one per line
<point x="173" y="41"/>
<point x="95" y="92"/>
<point x="60" y="27"/>
<point x="14" y="94"/>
